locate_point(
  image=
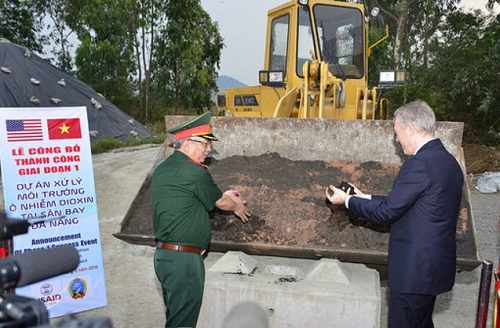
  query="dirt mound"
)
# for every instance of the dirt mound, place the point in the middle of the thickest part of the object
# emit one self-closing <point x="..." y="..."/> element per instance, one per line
<point x="480" y="158"/>
<point x="290" y="214"/>
<point x="289" y="207"/>
<point x="288" y="201"/>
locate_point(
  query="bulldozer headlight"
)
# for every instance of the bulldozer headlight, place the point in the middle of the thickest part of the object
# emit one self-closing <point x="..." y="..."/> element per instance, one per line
<point x="271" y="77"/>
<point x="375" y="11"/>
<point x="276" y="76"/>
<point x="303" y="2"/>
<point x="391" y="78"/>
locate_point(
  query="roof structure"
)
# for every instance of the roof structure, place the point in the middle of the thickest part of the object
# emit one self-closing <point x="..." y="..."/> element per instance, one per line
<point x="26" y="80"/>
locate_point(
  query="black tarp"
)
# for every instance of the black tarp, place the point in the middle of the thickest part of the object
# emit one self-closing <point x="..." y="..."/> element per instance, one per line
<point x="26" y="80"/>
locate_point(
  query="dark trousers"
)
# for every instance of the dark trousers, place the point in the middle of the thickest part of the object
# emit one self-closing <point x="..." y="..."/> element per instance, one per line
<point x="410" y="310"/>
<point x="182" y="278"/>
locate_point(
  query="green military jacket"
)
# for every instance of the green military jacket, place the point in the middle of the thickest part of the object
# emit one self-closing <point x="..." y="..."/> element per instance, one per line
<point x="183" y="194"/>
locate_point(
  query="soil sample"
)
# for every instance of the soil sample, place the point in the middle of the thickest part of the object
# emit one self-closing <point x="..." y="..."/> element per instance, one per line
<point x="288" y="203"/>
<point x="291" y="215"/>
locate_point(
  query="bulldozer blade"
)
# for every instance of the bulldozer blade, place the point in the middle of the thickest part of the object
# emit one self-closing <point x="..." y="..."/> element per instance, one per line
<point x="307" y="140"/>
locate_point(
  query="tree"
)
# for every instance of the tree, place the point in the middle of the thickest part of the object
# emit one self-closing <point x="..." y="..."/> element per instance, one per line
<point x="470" y="49"/>
<point x="452" y="61"/>
<point x="415" y="21"/>
<point x="186" y="57"/>
<point x="460" y="79"/>
<point x="19" y="25"/>
<point x="104" y="58"/>
<point x="146" y="17"/>
<point x="59" y="31"/>
<point x="491" y="3"/>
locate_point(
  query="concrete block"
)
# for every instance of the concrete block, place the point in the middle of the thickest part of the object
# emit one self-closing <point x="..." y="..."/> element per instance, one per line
<point x="235" y="263"/>
<point x="293" y="292"/>
<point x="329" y="270"/>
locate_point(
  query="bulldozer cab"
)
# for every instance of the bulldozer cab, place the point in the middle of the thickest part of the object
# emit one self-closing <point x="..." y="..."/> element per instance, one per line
<point x="315" y="65"/>
<point x="332" y="34"/>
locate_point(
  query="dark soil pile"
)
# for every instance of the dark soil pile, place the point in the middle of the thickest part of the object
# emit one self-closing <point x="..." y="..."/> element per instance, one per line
<point x="289" y="207"/>
<point x="291" y="215"/>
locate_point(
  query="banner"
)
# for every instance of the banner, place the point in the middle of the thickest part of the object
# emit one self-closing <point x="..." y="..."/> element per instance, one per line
<point x="48" y="179"/>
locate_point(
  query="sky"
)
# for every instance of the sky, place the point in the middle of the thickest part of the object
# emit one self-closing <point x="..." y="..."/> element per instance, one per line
<point x="243" y="24"/>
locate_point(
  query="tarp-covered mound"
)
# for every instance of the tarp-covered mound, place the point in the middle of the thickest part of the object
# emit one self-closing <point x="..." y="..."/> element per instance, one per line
<point x="26" y="80"/>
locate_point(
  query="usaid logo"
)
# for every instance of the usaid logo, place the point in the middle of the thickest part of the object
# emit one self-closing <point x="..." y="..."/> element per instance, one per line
<point x="46" y="290"/>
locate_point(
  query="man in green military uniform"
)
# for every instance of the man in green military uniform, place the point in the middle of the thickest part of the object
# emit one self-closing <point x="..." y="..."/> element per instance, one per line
<point x="184" y="193"/>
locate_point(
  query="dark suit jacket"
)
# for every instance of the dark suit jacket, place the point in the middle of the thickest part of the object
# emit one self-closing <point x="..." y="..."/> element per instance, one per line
<point x="422" y="209"/>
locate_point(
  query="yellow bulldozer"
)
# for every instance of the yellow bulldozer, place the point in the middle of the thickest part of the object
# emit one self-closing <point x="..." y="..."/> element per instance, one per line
<point x="315" y="65"/>
<point x="313" y="104"/>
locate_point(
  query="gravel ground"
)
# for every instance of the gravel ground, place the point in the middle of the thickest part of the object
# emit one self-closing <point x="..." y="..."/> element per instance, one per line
<point x="134" y="295"/>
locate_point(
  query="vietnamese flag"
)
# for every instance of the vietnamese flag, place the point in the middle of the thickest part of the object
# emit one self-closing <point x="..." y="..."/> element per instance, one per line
<point x="64" y="128"/>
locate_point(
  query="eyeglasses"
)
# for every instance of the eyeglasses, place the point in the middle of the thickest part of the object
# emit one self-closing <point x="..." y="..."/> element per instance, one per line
<point x="206" y="144"/>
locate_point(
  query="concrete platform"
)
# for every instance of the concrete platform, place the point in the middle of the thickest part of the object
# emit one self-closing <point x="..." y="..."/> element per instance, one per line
<point x="293" y="292"/>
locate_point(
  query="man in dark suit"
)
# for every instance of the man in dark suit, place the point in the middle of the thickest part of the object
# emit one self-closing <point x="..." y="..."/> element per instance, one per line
<point x="422" y="210"/>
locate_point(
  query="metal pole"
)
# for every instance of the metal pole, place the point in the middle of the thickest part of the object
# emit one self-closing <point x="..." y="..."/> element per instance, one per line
<point x="496" y="316"/>
<point x="496" y="297"/>
<point x="484" y="294"/>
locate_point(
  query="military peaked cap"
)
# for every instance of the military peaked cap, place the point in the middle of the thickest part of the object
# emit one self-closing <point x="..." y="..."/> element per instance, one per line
<point x="198" y="126"/>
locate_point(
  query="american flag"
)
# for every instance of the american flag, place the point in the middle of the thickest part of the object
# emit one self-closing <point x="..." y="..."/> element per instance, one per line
<point x="24" y="130"/>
